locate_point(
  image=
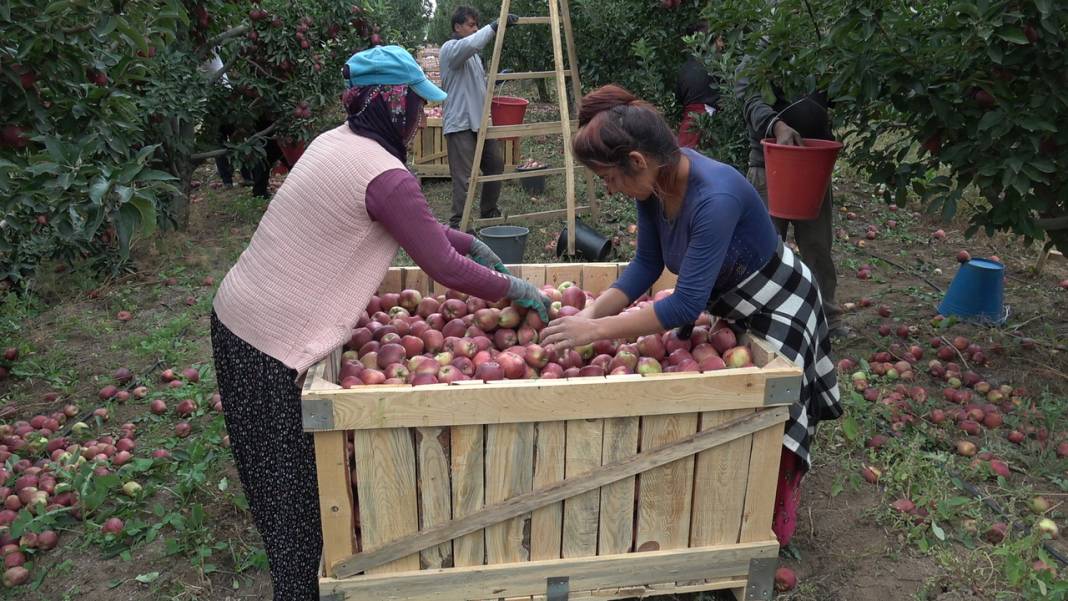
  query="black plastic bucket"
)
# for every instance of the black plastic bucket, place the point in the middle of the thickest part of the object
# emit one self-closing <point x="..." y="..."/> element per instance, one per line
<point x="533" y="185"/>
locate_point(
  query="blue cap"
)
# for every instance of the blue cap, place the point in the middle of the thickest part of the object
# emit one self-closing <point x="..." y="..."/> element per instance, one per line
<point x="391" y="66"/>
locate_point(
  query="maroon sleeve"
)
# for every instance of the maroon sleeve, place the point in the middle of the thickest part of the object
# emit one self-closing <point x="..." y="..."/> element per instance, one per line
<point x="395" y="201"/>
<point x="460" y="241"/>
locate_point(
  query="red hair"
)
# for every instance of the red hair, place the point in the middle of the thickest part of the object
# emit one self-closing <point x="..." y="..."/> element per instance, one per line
<point x="613" y="123"/>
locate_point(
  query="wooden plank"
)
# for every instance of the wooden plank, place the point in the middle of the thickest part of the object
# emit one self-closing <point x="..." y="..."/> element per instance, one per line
<point x="335" y="496"/>
<point x="534" y="273"/>
<point x="665" y="493"/>
<point x="533" y="21"/>
<point x="393" y="282"/>
<point x="527" y="75"/>
<point x="522" y="174"/>
<point x="526" y="502"/>
<point x="665" y="281"/>
<point x="532" y="400"/>
<point x="509" y="473"/>
<point x="583" y="455"/>
<point x="718" y="494"/>
<point x="385" y="485"/>
<point x="530" y="130"/>
<point x="559" y="273"/>
<point x="468" y="491"/>
<point x="529" y="217"/>
<point x="565" y="119"/>
<point x="546" y="523"/>
<point x="598" y="278"/>
<point x="763" y="480"/>
<point x="616" y="529"/>
<point x="762" y="351"/>
<point x="415" y="279"/>
<point x="435" y="502"/>
<point x="584" y="573"/>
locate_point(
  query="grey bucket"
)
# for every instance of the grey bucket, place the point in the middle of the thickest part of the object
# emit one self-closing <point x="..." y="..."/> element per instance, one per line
<point x="508" y="241"/>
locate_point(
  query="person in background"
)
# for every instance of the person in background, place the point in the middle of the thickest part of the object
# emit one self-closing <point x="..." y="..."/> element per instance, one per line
<point x="696" y="91"/>
<point x="321" y="250"/>
<point x="703" y="221"/>
<point x="788" y="122"/>
<point x="211" y="67"/>
<point x="464" y="78"/>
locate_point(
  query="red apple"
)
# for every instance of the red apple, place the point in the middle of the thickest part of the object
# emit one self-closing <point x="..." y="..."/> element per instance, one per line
<point x="489" y="370"/>
<point x="738" y="356"/>
<point x="648" y="365"/>
<point x="573" y="296"/>
<point x="964" y="256"/>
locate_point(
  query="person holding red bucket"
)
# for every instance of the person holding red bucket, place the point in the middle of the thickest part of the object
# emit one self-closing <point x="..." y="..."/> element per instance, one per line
<point x="464" y="78"/>
<point x="789" y="122"/>
<point x="702" y="220"/>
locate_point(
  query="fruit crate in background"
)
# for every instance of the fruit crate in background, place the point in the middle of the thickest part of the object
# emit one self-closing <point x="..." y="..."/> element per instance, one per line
<point x="430" y="155"/>
<point x="585" y="488"/>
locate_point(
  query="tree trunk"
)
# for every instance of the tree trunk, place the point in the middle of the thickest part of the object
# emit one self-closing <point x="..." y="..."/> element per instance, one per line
<point x="543" y="91"/>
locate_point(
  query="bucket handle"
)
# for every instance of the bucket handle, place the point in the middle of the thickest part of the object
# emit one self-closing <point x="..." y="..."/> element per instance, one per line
<point x="500" y="86"/>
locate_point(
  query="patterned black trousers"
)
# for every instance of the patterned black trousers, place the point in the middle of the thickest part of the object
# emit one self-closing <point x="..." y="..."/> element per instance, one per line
<point x="275" y="460"/>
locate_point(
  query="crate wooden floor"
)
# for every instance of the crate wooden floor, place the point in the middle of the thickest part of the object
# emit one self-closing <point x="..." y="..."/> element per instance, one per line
<point x="588" y="488"/>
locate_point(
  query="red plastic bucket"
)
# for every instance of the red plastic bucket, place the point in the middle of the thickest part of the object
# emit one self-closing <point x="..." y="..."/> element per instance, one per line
<point x="798" y="176"/>
<point x="508" y="110"/>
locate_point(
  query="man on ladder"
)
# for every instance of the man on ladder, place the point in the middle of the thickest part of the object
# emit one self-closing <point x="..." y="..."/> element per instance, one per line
<point x="464" y="79"/>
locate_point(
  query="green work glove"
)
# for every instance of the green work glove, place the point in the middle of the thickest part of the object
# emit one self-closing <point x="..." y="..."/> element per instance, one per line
<point x="484" y="256"/>
<point x="525" y="294"/>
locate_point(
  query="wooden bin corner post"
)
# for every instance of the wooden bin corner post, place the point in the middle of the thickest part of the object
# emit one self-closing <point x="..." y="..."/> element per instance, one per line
<point x="331" y="467"/>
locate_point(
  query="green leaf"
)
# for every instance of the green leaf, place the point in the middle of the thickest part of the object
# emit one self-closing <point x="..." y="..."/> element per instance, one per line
<point x="155" y="175"/>
<point x="1013" y="34"/>
<point x="850" y="428"/>
<point x="106" y="26"/>
<point x="990" y="119"/>
<point x="147" y="578"/>
<point x="98" y="190"/>
<point x="937" y="531"/>
<point x="1035" y="124"/>
<point x="224" y="484"/>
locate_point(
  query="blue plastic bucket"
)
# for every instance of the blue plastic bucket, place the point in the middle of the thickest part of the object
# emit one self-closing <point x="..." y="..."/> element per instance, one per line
<point x="977" y="292"/>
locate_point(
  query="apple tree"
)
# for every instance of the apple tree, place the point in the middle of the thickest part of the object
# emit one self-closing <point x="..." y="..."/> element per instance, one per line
<point x="961" y="103"/>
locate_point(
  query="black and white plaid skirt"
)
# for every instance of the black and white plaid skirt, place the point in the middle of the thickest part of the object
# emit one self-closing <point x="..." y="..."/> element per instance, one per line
<point x="781" y="304"/>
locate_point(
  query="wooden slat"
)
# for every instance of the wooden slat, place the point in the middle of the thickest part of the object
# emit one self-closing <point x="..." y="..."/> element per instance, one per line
<point x="385" y="484"/>
<point x="558" y="273"/>
<point x="645" y="592"/>
<point x="393" y="282"/>
<point x="584" y="573"/>
<point x="528" y="217"/>
<point x="583" y="455"/>
<point x="530" y="130"/>
<point x="335" y="496"/>
<point x="519" y="505"/>
<point x="718" y="495"/>
<point x="532" y="400"/>
<point x="534" y="273"/>
<point x="763" y="479"/>
<point x="665" y="281"/>
<point x="616" y="529"/>
<point x="468" y="491"/>
<point x="415" y="279"/>
<point x="533" y="21"/>
<point x="509" y="473"/>
<point x="435" y="502"/>
<point x="546" y="523"/>
<point x="598" y="278"/>
<point x="522" y="174"/>
<point x="665" y="493"/>
<point x="527" y="75"/>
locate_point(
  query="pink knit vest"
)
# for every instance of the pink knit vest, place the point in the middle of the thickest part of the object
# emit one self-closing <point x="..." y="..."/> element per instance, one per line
<point x="316" y="257"/>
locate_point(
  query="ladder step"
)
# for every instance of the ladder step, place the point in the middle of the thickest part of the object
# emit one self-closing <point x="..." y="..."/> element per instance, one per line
<point x="522" y="174"/>
<point x="533" y="21"/>
<point x="530" y="75"/>
<point x="526" y="130"/>
<point x="538" y="216"/>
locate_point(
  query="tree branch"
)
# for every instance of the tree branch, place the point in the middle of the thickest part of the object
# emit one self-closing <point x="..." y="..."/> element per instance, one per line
<point x="211" y="154"/>
<point x="222" y="37"/>
<point x="1053" y="223"/>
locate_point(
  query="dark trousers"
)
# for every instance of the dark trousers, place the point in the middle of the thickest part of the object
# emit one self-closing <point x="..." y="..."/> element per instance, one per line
<point x="222" y="163"/>
<point x="814" y="240"/>
<point x="275" y="460"/>
<point x="261" y="170"/>
<point x="461" y="149"/>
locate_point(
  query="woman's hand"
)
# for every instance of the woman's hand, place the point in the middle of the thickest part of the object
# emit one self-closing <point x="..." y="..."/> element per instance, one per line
<point x="570" y="332"/>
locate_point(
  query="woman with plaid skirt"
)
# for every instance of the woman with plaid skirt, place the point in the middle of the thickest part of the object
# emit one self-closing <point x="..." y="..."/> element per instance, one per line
<point x="704" y="222"/>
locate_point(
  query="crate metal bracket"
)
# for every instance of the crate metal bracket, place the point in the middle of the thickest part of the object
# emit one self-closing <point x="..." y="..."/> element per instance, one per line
<point x="782" y="391"/>
<point x="318" y="414"/>
<point x="761" y="578"/>
<point x="557" y="588"/>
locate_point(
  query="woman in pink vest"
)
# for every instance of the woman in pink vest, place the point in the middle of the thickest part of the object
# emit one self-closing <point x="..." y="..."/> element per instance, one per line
<point x="319" y="253"/>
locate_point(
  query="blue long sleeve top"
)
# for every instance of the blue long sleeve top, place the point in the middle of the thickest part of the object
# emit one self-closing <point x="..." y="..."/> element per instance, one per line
<point x="721" y="235"/>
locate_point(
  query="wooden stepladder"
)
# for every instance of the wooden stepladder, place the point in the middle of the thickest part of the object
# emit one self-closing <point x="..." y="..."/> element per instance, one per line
<point x="559" y="22"/>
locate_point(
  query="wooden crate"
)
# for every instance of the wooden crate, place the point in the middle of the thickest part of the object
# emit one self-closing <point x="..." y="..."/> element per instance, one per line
<point x="430" y="154"/>
<point x="588" y="488"/>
